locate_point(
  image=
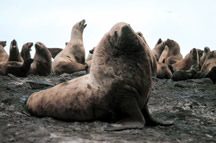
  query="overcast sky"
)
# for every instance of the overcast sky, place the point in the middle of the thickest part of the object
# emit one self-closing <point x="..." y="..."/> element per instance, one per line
<point x="189" y="22"/>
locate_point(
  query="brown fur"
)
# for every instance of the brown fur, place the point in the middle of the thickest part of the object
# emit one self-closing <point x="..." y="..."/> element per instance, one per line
<point x="209" y="62"/>
<point x="72" y="57"/>
<point x="14" y="54"/>
<point x="151" y="56"/>
<point x="203" y="57"/>
<point x="3" y="43"/>
<point x="190" y="59"/>
<point x="167" y="51"/>
<point x="42" y="61"/>
<point x="25" y="52"/>
<point x="163" y="71"/>
<point x="117" y="88"/>
<point x="54" y="51"/>
<point x="3" y="54"/>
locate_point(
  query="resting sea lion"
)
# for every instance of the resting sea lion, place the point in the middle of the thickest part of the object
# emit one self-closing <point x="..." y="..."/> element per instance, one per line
<point x="42" y="61"/>
<point x="14" y="54"/>
<point x="3" y="43"/>
<point x="25" y="52"/>
<point x="190" y="59"/>
<point x="54" y="51"/>
<point x="163" y="71"/>
<point x="3" y="54"/>
<point x="210" y="62"/>
<point x="117" y="88"/>
<point x="72" y="57"/>
<point x="16" y="68"/>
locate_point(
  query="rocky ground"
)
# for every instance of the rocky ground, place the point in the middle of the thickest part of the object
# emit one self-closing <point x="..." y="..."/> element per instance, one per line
<point x="191" y="104"/>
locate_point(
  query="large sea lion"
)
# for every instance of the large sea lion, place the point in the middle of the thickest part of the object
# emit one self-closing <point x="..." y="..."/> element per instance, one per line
<point x="16" y="68"/>
<point x="54" y="51"/>
<point x="3" y="43"/>
<point x="72" y="57"/>
<point x="192" y="58"/>
<point x="117" y="88"/>
<point x="3" y="54"/>
<point x="25" y="52"/>
<point x="42" y="61"/>
<point x="14" y="54"/>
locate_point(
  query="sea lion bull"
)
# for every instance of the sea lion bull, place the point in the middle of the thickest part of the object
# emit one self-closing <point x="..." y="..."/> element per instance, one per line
<point x="42" y="61"/>
<point x="117" y="88"/>
<point x="72" y="57"/>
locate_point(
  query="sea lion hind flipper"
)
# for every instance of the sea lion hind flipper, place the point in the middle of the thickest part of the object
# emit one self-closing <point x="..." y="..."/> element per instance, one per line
<point x="150" y="121"/>
<point x="131" y="114"/>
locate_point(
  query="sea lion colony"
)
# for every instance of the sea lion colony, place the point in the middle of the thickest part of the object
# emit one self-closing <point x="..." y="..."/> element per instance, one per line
<point x="117" y="69"/>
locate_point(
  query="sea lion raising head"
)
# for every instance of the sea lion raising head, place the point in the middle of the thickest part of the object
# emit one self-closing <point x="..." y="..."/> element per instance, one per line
<point x="14" y="54"/>
<point x="72" y="57"/>
<point x="117" y="88"/>
<point x="25" y="52"/>
<point x="42" y="61"/>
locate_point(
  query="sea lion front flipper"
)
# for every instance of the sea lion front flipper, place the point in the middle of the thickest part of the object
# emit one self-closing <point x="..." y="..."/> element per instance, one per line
<point x="150" y="121"/>
<point x="131" y="114"/>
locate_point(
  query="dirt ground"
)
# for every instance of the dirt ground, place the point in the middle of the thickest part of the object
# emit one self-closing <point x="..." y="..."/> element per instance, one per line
<point x="191" y="104"/>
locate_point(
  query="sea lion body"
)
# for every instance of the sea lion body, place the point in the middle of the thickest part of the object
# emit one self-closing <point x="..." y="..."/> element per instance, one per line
<point x="18" y="69"/>
<point x="72" y="57"/>
<point x="14" y="54"/>
<point x="117" y="88"/>
<point x="3" y="54"/>
<point x="42" y="61"/>
<point x="192" y="58"/>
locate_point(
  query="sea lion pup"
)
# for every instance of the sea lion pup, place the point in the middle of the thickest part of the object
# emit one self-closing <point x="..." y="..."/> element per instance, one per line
<point x="72" y="57"/>
<point x="3" y="54"/>
<point x="117" y="88"/>
<point x="25" y="52"/>
<point x="3" y="43"/>
<point x="192" y="58"/>
<point x="42" y="61"/>
<point x="16" y="68"/>
<point x="54" y="51"/>
<point x="14" y="54"/>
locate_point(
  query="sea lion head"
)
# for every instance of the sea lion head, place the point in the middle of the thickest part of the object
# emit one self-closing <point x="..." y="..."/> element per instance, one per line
<point x="13" y="46"/>
<point x="42" y="51"/>
<point x="27" y="46"/>
<point x="80" y="25"/>
<point x="3" y="43"/>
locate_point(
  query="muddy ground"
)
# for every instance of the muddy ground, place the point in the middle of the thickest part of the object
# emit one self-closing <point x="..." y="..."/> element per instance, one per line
<point x="191" y="104"/>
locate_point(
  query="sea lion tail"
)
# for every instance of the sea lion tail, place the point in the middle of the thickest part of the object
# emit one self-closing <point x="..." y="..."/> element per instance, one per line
<point x="150" y="121"/>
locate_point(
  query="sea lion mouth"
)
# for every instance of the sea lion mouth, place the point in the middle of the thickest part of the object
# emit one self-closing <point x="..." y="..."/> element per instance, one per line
<point x="14" y="44"/>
